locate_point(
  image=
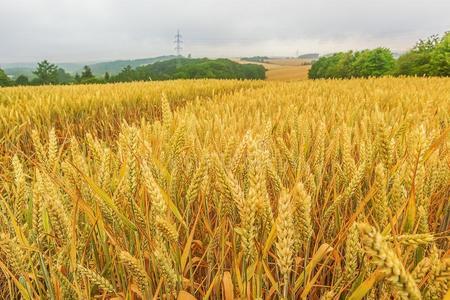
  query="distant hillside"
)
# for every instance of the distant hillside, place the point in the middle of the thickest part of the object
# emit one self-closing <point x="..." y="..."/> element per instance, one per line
<point x="184" y="68"/>
<point x="98" y="68"/>
<point x="114" y="67"/>
<point x="15" y="72"/>
<point x="255" y="58"/>
<point x="309" y="56"/>
<point x="16" y="69"/>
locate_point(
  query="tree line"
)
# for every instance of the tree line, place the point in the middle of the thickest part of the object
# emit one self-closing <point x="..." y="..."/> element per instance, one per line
<point x="429" y="57"/>
<point x="49" y="73"/>
<point x="179" y="68"/>
<point x="185" y="68"/>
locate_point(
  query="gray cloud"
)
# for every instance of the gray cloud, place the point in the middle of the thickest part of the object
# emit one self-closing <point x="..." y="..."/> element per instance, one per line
<point x="83" y="30"/>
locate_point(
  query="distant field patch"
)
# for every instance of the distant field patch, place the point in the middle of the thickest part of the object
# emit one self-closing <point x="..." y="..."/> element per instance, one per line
<point x="283" y="69"/>
<point x="288" y="73"/>
<point x="289" y="61"/>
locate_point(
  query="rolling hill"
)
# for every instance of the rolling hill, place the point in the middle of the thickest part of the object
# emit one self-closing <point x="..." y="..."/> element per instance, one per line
<point x="98" y="68"/>
<point x="282" y="69"/>
<point x="114" y="67"/>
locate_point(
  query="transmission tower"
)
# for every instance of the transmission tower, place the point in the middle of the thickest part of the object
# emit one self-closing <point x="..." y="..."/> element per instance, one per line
<point x="178" y="42"/>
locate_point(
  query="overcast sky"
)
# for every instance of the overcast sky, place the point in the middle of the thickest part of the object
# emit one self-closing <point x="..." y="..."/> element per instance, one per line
<point x="90" y="30"/>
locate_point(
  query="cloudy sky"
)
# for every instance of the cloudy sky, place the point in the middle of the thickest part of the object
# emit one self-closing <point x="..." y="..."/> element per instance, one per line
<point x="90" y="30"/>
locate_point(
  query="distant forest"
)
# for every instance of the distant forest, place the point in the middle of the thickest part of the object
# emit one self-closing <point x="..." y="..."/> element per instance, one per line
<point x="259" y="59"/>
<point x="185" y="68"/>
<point x="176" y="68"/>
<point x="430" y="57"/>
<point x="262" y="59"/>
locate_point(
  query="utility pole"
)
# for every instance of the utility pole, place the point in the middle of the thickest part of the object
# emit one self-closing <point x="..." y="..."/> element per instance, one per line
<point x="178" y="41"/>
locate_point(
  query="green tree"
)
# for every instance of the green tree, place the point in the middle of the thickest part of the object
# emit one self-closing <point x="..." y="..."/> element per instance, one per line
<point x="417" y="61"/>
<point x="77" y="78"/>
<point x="343" y="67"/>
<point x="22" y="80"/>
<point x="46" y="73"/>
<point x="106" y="77"/>
<point x="376" y="62"/>
<point x="366" y="63"/>
<point x="191" y="68"/>
<point x="336" y="65"/>
<point x="317" y="68"/>
<point x="86" y="74"/>
<point x="127" y="74"/>
<point x="4" y="79"/>
<point x="440" y="57"/>
<point x="63" y="77"/>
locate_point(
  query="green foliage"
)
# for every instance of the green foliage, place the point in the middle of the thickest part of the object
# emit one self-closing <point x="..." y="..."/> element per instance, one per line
<point x="366" y="63"/>
<point x="22" y="80"/>
<point x="63" y="77"/>
<point x="430" y="57"/>
<point x="77" y="78"/>
<point x="4" y="79"/>
<point x="413" y="63"/>
<point x="86" y="75"/>
<point x="183" y="68"/>
<point x="127" y="74"/>
<point x="417" y="61"/>
<point x="375" y="63"/>
<point x="98" y="69"/>
<point x="115" y="67"/>
<point x="46" y="73"/>
<point x="440" y="57"/>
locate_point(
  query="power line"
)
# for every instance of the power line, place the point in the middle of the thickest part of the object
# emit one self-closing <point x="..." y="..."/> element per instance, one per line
<point x="178" y="41"/>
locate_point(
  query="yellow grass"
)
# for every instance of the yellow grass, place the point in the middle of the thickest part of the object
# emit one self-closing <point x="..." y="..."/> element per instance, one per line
<point x="284" y="69"/>
<point x="213" y="189"/>
<point x="288" y="73"/>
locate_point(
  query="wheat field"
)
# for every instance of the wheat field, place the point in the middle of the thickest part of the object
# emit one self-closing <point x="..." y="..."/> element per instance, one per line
<point x="283" y="69"/>
<point x="208" y="189"/>
<point x="288" y="73"/>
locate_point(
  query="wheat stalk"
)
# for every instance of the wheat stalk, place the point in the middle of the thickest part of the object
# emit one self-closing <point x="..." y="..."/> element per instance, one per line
<point x="136" y="270"/>
<point x="96" y="278"/>
<point x="384" y="257"/>
<point x="285" y="238"/>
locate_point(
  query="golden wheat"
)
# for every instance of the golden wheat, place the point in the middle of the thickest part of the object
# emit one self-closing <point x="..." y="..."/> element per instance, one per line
<point x="236" y="189"/>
